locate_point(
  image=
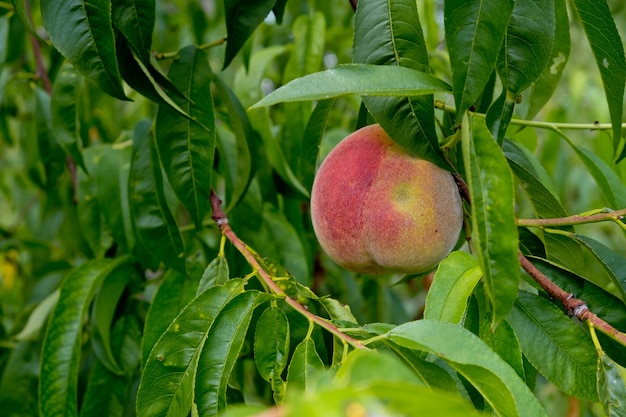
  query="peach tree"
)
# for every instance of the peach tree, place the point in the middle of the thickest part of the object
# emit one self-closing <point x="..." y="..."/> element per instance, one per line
<point x="157" y="256"/>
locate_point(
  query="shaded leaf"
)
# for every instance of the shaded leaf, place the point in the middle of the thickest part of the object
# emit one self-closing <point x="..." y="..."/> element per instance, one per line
<point x="135" y="19"/>
<point x="58" y="384"/>
<point x="64" y="112"/>
<point x="555" y="345"/>
<point x="271" y="343"/>
<point x="390" y="33"/>
<point x="475" y="31"/>
<point x="83" y="33"/>
<point x="186" y="145"/>
<point x="608" y="50"/>
<point x="313" y="134"/>
<point x="242" y="18"/>
<point x="154" y="223"/>
<point x="494" y="232"/>
<point x="613" y="263"/>
<point x="360" y="79"/>
<point x="216" y="273"/>
<point x="611" y="389"/>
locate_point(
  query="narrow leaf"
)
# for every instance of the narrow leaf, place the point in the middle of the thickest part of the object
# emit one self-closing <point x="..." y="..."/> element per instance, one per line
<point x="494" y="232"/>
<point x="359" y="79"/>
<point x="608" y="50"/>
<point x="186" y="146"/>
<point x="82" y="32"/>
<point x="220" y="352"/>
<point x="58" y="385"/>
<point x="613" y="263"/>
<point x="453" y="284"/>
<point x="313" y="134"/>
<point x="166" y="387"/>
<point x="556" y="346"/>
<point x="527" y="42"/>
<point x="135" y="19"/>
<point x="64" y="112"/>
<point x="390" y="33"/>
<point x="475" y="31"/>
<point x="501" y="387"/>
<point x="154" y="223"/>
<point x="242" y="18"/>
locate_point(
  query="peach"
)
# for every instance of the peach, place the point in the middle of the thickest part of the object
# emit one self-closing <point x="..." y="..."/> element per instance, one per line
<point x="378" y="209"/>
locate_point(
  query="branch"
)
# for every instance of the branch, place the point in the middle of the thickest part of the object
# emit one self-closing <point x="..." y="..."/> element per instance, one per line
<point x="616" y="215"/>
<point x="41" y="72"/>
<point x="222" y="222"/>
<point x="574" y="306"/>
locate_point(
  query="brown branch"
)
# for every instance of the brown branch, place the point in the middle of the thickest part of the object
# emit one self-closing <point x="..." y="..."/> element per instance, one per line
<point x="41" y="72"/>
<point x="574" y="306"/>
<point x="222" y="222"/>
<point x="463" y="187"/>
<point x="576" y="219"/>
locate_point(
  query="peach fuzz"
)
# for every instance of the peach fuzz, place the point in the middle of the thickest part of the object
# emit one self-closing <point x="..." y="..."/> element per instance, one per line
<point x="378" y="209"/>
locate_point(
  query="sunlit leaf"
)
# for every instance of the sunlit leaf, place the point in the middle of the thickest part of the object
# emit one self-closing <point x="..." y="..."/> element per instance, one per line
<point x="271" y="343"/>
<point x="305" y="363"/>
<point x="358" y="79"/>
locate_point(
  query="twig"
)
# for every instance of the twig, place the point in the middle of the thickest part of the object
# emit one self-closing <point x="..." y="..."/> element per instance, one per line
<point x="222" y="222"/>
<point x="576" y="219"/>
<point x="573" y="306"/>
<point x="174" y="54"/>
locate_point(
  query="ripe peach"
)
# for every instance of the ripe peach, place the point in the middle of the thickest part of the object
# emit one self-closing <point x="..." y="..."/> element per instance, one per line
<point x="378" y="209"/>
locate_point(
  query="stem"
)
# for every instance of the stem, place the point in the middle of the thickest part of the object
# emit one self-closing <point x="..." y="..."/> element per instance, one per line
<point x="41" y="72"/>
<point x="222" y="222"/>
<point x="616" y="215"/>
<point x="574" y="306"/>
<point x="173" y="55"/>
<point x="533" y="123"/>
<point x="354" y="4"/>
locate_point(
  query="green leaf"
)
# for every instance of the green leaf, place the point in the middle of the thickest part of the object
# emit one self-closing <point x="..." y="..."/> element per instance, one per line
<point x="90" y="214"/>
<point x="313" y="135"/>
<point x="494" y="232"/>
<point x="359" y="79"/>
<point x="390" y="33"/>
<point x="611" y="389"/>
<point x="271" y="343"/>
<point x="108" y="394"/>
<point x="241" y="163"/>
<point x="82" y="32"/>
<point x="135" y="19"/>
<point x="186" y="146"/>
<point x="166" y="386"/>
<point x="527" y="42"/>
<point x="305" y="363"/>
<point x="221" y="351"/>
<point x="216" y="273"/>
<point x="475" y="31"/>
<point x="110" y="171"/>
<point x="613" y="263"/>
<point x="38" y="318"/>
<point x="64" y="112"/>
<point x="58" y="385"/>
<point x="154" y="223"/>
<point x="174" y="293"/>
<point x="18" y="383"/>
<point x="555" y="345"/>
<point x="501" y="387"/>
<point x="104" y="308"/>
<point x="453" y="284"/>
<point x="611" y="185"/>
<point x="608" y="50"/>
<point x="242" y="18"/>
<point x="544" y="87"/>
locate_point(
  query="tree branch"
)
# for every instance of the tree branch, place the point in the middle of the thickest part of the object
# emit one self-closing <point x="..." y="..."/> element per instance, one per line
<point x="574" y="306"/>
<point x="222" y="222"/>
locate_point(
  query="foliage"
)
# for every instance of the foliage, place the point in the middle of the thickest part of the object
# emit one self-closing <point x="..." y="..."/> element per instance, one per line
<point x="127" y="287"/>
